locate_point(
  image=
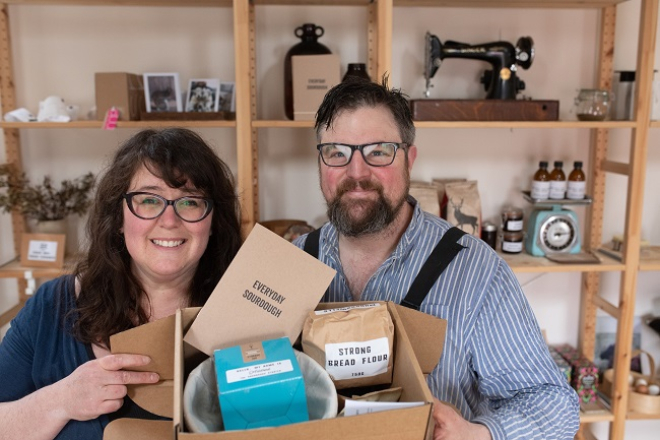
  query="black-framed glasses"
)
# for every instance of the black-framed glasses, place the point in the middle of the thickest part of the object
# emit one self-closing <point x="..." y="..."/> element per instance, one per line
<point x="148" y="206"/>
<point x="376" y="154"/>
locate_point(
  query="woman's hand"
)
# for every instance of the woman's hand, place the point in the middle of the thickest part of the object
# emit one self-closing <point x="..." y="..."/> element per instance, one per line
<point x="450" y="425"/>
<point x="99" y="386"/>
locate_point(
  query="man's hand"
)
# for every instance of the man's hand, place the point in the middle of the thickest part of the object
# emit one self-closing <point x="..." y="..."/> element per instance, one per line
<point x="99" y="386"/>
<point x="450" y="425"/>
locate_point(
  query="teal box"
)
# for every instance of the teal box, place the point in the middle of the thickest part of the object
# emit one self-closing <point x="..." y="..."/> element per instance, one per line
<point x="260" y="384"/>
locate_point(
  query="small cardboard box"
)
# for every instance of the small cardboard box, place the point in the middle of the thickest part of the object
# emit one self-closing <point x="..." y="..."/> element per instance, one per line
<point x="168" y="343"/>
<point x="313" y="76"/>
<point x="260" y="384"/>
<point x="561" y="364"/>
<point x="584" y="373"/>
<point x="125" y="91"/>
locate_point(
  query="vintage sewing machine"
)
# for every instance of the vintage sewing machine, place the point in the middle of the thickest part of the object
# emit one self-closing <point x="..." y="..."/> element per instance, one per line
<point x="501" y="83"/>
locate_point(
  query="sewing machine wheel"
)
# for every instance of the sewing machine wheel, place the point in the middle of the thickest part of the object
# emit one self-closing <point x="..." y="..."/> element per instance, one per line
<point x="525" y="52"/>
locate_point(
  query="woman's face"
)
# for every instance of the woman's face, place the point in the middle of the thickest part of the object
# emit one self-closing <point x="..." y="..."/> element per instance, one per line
<point x="164" y="249"/>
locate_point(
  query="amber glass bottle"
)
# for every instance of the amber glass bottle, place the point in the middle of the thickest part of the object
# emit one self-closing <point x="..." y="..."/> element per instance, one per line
<point x="558" y="181"/>
<point x="541" y="182"/>
<point x="576" y="182"/>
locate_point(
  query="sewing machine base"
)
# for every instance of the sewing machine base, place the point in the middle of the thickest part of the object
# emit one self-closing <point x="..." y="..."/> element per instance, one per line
<point x="484" y="110"/>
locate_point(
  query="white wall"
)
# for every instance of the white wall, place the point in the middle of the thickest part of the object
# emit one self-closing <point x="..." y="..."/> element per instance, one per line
<point x="58" y="49"/>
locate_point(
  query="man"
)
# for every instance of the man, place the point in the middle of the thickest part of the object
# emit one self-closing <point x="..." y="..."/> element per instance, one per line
<point x="495" y="368"/>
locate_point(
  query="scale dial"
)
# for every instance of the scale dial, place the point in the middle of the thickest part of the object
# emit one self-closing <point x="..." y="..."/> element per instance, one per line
<point x="558" y="233"/>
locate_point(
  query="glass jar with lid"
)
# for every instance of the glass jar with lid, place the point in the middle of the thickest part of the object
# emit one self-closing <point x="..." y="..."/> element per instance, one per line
<point x="593" y="104"/>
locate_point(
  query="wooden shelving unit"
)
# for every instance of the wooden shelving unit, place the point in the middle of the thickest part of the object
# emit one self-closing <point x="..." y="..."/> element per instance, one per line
<point x="379" y="29"/>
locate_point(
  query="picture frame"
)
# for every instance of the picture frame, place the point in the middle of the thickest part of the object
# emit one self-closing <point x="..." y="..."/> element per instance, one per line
<point x="203" y="95"/>
<point x="162" y="92"/>
<point x="43" y="250"/>
<point x="227" y="97"/>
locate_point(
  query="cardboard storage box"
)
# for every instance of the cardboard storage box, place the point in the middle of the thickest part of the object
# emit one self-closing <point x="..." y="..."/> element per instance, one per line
<point x="125" y="91"/>
<point x="584" y="373"/>
<point x="414" y="358"/>
<point x="313" y="76"/>
<point x="178" y="343"/>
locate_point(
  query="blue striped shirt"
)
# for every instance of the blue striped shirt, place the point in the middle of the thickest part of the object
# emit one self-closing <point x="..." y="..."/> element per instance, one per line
<point x="495" y="367"/>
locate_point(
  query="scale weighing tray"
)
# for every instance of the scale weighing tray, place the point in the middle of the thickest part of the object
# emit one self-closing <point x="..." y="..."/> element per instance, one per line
<point x="549" y="202"/>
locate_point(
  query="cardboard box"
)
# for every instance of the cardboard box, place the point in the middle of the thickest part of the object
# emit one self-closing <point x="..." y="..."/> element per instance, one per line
<point x="584" y="373"/>
<point x="125" y="91"/>
<point x="259" y="385"/>
<point x="313" y="76"/>
<point x="166" y="341"/>
<point x="561" y="364"/>
<point x="415" y="357"/>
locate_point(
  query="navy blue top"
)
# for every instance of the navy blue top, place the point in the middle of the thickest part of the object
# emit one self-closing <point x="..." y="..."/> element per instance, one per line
<point x="38" y="350"/>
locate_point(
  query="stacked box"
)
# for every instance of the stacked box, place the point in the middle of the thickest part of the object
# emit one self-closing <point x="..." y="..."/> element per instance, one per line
<point x="584" y="373"/>
<point x="561" y="363"/>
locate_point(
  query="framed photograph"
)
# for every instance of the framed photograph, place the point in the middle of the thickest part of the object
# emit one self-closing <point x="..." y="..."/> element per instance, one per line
<point x="162" y="92"/>
<point x="203" y="95"/>
<point x="43" y="250"/>
<point x="227" y="101"/>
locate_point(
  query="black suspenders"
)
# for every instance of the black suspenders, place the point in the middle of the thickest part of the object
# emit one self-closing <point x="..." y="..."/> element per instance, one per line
<point x="443" y="253"/>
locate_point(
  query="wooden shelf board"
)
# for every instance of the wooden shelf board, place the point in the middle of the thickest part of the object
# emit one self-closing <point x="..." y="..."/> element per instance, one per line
<point x="641" y="416"/>
<point x="228" y="3"/>
<point x="592" y="418"/>
<point x="655" y="124"/>
<point x="282" y="124"/>
<point x="169" y="3"/>
<point x="525" y="124"/>
<point x="511" y="3"/>
<point x="264" y="123"/>
<point x="525" y="263"/>
<point x="13" y="269"/>
<point x="120" y="124"/>
<point x="649" y="266"/>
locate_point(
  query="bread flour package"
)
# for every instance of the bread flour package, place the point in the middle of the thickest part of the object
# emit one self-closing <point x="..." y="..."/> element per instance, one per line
<point x="354" y="344"/>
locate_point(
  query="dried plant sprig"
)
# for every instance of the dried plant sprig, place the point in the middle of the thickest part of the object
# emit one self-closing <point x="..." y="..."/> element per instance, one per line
<point x="44" y="201"/>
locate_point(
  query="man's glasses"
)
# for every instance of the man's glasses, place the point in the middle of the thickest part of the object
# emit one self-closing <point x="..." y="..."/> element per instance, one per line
<point x="148" y="206"/>
<point x="377" y="154"/>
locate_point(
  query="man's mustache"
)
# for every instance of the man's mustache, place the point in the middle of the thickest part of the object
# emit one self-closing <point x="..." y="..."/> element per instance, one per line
<point x="353" y="184"/>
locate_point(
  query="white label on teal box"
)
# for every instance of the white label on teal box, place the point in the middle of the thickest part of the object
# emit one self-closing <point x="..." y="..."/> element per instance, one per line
<point x="261" y="370"/>
<point x="351" y="360"/>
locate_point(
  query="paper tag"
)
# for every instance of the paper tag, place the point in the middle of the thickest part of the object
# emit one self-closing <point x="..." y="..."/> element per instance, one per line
<point x="357" y="407"/>
<point x="261" y="370"/>
<point x="110" y="120"/>
<point x="348" y="360"/>
<point x="40" y="250"/>
<point x="345" y="309"/>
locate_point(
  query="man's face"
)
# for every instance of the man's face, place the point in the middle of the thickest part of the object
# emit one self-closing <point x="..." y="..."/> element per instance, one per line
<point x="363" y="199"/>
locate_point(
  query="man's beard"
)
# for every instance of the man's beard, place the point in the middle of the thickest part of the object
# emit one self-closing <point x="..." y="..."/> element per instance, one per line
<point x="376" y="216"/>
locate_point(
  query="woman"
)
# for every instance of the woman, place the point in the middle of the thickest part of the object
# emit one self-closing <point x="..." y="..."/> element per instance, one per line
<point x="163" y="229"/>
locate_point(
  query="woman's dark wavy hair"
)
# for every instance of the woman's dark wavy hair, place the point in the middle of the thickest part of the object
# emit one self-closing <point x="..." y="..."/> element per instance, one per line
<point x="357" y="93"/>
<point x="110" y="294"/>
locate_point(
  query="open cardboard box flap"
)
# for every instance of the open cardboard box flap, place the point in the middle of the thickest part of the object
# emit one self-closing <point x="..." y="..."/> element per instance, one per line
<point x="156" y="340"/>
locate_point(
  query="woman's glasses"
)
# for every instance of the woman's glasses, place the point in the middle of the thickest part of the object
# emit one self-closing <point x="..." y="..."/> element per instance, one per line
<point x="148" y="206"/>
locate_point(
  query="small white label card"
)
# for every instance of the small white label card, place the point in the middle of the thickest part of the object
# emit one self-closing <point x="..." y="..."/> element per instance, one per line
<point x="42" y="250"/>
<point x="259" y="370"/>
<point x="357" y="407"/>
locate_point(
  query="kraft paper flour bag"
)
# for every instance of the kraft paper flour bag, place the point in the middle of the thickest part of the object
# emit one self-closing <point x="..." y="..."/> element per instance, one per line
<point x="353" y="343"/>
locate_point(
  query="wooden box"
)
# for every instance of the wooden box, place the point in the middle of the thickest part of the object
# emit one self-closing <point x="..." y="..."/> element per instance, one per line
<point x="484" y="110"/>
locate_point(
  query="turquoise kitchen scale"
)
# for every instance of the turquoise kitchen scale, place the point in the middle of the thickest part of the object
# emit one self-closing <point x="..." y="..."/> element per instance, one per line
<point x="552" y="228"/>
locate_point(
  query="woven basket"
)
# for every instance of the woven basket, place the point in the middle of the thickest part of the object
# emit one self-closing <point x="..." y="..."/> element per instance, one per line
<point x="638" y="402"/>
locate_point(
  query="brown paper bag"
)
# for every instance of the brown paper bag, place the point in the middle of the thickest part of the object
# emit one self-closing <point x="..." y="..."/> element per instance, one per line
<point x="354" y="344"/>
<point x="464" y="206"/>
